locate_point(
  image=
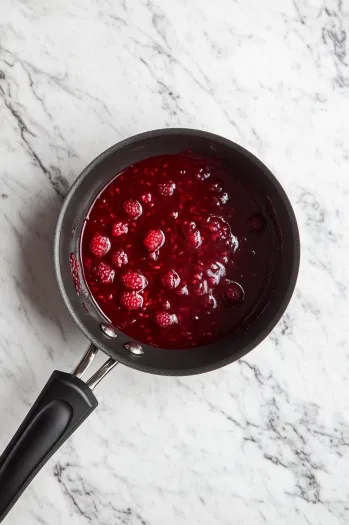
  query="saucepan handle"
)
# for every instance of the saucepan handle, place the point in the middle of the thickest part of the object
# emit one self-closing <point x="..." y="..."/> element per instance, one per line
<point x="64" y="403"/>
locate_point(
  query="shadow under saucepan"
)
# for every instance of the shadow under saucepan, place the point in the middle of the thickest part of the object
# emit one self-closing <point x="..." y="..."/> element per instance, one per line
<point x="58" y="331"/>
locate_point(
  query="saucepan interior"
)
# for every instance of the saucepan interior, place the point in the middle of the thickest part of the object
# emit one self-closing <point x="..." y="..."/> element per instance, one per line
<point x="254" y="175"/>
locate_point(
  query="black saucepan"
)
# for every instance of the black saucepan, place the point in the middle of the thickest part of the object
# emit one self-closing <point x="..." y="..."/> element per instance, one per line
<point x="66" y="400"/>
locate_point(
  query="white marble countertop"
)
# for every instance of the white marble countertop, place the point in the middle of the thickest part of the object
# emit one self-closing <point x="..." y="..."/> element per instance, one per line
<point x="265" y="440"/>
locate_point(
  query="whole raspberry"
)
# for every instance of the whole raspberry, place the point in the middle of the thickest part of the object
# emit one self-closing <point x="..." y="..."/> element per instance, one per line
<point x="166" y="305"/>
<point x="153" y="240"/>
<point x="202" y="174"/>
<point x="194" y="239"/>
<point x="119" y="258"/>
<point x="217" y="227"/>
<point x="234" y="293"/>
<point x="209" y="302"/>
<point x="256" y="223"/>
<point x="100" y="245"/>
<point x="146" y="198"/>
<point x="134" y="280"/>
<point x="153" y="256"/>
<point x="165" y="320"/>
<point x="166" y="189"/>
<point x="131" y="301"/>
<point x="104" y="273"/>
<point x="215" y="272"/>
<point x="188" y="227"/>
<point x="222" y="198"/>
<point x="182" y="290"/>
<point x="216" y="187"/>
<point x="170" y="279"/>
<point x="133" y="209"/>
<point x="119" y="228"/>
<point x="200" y="288"/>
<point x="232" y="243"/>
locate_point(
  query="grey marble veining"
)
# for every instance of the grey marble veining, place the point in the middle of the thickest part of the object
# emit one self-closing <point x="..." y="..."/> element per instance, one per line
<point x="263" y="441"/>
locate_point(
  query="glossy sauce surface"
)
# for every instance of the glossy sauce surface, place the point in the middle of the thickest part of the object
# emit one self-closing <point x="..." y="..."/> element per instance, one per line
<point x="175" y="251"/>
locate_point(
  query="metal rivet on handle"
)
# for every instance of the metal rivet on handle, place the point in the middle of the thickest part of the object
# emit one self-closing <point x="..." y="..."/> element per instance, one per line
<point x="134" y="348"/>
<point x="108" y="330"/>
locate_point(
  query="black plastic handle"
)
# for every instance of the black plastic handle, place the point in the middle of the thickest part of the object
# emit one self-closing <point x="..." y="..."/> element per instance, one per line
<point x="64" y="403"/>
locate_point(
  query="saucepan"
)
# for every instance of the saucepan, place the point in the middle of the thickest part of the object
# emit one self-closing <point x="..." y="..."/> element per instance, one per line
<point x="66" y="400"/>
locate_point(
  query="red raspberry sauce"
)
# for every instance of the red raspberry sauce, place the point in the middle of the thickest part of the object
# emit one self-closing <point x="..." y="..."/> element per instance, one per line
<point x="201" y="246"/>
